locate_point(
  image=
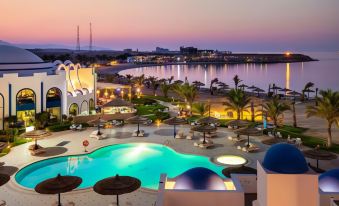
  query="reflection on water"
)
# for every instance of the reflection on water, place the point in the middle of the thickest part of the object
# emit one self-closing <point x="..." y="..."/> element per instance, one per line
<point x="73" y="163"/>
<point x="324" y="74"/>
<point x="287" y="76"/>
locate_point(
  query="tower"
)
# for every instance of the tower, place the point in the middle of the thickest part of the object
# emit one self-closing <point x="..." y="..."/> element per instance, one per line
<point x="78" y="40"/>
<point x="90" y="37"/>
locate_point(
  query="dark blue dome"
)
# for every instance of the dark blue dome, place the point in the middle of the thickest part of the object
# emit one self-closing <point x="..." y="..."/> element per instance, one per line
<point x="329" y="181"/>
<point x="285" y="159"/>
<point x="199" y="178"/>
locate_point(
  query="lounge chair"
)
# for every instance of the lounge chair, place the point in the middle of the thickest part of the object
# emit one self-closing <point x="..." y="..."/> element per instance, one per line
<point x="38" y="151"/>
<point x="180" y="135"/>
<point x="206" y="145"/>
<point x="79" y="127"/>
<point x="140" y="134"/>
<point x="73" y="127"/>
<point x="3" y="203"/>
<point x="238" y="139"/>
<point x="97" y="136"/>
<point x="190" y="135"/>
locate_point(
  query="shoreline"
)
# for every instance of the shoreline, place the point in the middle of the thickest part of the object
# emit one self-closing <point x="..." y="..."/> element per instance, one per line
<point x="120" y="67"/>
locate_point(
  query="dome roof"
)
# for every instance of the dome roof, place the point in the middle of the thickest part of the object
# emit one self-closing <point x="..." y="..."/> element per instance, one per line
<point x="199" y="178"/>
<point x="286" y="159"/>
<point x="10" y="54"/>
<point x="329" y="181"/>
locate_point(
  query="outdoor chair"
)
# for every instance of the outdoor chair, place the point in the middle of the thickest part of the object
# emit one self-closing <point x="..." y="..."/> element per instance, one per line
<point x="190" y="135"/>
<point x="73" y="127"/>
<point x="97" y="136"/>
<point x="79" y="127"/>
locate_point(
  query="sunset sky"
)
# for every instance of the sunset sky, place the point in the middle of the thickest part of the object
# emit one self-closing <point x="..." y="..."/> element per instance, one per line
<point x="238" y="25"/>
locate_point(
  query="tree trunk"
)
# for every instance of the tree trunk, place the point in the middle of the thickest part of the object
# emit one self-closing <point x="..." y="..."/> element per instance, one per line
<point x="294" y="115"/>
<point x="238" y="114"/>
<point x="329" y="138"/>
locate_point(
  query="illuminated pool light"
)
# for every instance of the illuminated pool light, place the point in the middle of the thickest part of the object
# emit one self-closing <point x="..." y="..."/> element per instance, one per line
<point x="232" y="160"/>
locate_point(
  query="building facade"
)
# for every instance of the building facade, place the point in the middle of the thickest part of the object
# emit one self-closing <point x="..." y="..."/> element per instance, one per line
<point x="28" y="86"/>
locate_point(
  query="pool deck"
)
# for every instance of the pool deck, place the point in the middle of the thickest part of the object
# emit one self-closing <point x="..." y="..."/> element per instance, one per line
<point x="19" y="157"/>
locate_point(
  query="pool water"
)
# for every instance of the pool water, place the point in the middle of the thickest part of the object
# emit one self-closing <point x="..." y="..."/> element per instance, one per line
<point x="145" y="161"/>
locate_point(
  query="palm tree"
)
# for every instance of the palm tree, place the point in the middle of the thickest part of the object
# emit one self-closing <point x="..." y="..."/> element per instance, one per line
<point x="294" y="115"/>
<point x="129" y="78"/>
<point x="275" y="108"/>
<point x="237" y="100"/>
<point x="165" y="87"/>
<point x="153" y="83"/>
<point x="328" y="108"/>
<point x="236" y="81"/>
<point x="201" y="108"/>
<point x="139" y="81"/>
<point x="213" y="81"/>
<point x="186" y="91"/>
<point x="307" y="87"/>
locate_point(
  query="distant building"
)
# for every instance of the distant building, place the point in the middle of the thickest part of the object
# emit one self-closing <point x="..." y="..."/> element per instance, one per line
<point x="128" y="50"/>
<point x="161" y="50"/>
<point x="188" y="50"/>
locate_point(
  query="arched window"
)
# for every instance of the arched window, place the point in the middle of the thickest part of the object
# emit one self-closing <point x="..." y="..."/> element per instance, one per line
<point x="84" y="108"/>
<point x="53" y="103"/>
<point x="2" y="111"/>
<point x="73" y="109"/>
<point x="91" y="105"/>
<point x="26" y="106"/>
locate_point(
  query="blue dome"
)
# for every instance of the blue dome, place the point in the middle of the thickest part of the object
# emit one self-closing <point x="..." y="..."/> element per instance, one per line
<point x="329" y="181"/>
<point x="199" y="178"/>
<point x="285" y="159"/>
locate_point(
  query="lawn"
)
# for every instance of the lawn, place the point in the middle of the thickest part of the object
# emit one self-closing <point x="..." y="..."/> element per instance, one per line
<point x="153" y="112"/>
<point x="307" y="140"/>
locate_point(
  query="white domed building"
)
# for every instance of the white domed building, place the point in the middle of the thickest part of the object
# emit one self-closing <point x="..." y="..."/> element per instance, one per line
<point x="28" y="85"/>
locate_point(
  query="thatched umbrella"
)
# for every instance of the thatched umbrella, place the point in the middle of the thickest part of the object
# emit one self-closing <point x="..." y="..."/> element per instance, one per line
<point x="204" y="129"/>
<point x="4" y="178"/>
<point x="238" y="170"/>
<point x="175" y="121"/>
<point x="208" y="120"/>
<point x="251" y="87"/>
<point x="258" y="90"/>
<point x="58" y="185"/>
<point x="243" y="86"/>
<point x="117" y="185"/>
<point x="137" y="120"/>
<point x="36" y="134"/>
<point x="98" y="122"/>
<point x="319" y="154"/>
<point x="285" y="90"/>
<point x="117" y="102"/>
<point x="308" y="92"/>
<point x="237" y="123"/>
<point x="249" y="131"/>
<point x="275" y="88"/>
<point x="273" y="140"/>
<point x="294" y="94"/>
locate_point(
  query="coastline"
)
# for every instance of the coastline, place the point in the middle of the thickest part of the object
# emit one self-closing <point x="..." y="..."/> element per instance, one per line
<point x="120" y="67"/>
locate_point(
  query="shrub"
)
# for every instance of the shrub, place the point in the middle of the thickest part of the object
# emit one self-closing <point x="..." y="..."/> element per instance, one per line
<point x="58" y="127"/>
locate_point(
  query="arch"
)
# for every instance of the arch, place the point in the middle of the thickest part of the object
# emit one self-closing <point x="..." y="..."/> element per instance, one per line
<point x="91" y="105"/>
<point x="73" y="109"/>
<point x="54" y="103"/>
<point x="2" y="112"/>
<point x="84" y="108"/>
<point x="26" y="106"/>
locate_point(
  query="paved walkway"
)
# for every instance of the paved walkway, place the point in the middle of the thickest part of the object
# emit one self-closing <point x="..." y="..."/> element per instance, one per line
<point x="15" y="195"/>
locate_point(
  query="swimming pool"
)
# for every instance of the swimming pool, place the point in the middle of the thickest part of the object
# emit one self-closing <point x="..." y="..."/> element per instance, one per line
<point x="145" y="161"/>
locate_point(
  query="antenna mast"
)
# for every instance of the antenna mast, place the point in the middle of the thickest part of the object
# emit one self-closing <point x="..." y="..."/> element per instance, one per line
<point x="90" y="37"/>
<point x="78" y="39"/>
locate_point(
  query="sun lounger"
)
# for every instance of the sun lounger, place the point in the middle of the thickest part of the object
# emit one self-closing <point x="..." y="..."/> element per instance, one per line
<point x="73" y="127"/>
<point x="3" y="203"/>
<point x="38" y="151"/>
<point x="140" y="134"/>
<point x="79" y="127"/>
<point x="205" y="146"/>
<point x="190" y="135"/>
<point x="180" y="135"/>
<point x="97" y="136"/>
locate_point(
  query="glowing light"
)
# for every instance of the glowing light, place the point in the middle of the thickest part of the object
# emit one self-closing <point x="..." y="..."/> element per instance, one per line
<point x="29" y="129"/>
<point x="288" y="53"/>
<point x="188" y="107"/>
<point x="231" y="160"/>
<point x="288" y="75"/>
<point x="229" y="185"/>
<point x="169" y="185"/>
<point x="138" y="90"/>
<point x="158" y="122"/>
